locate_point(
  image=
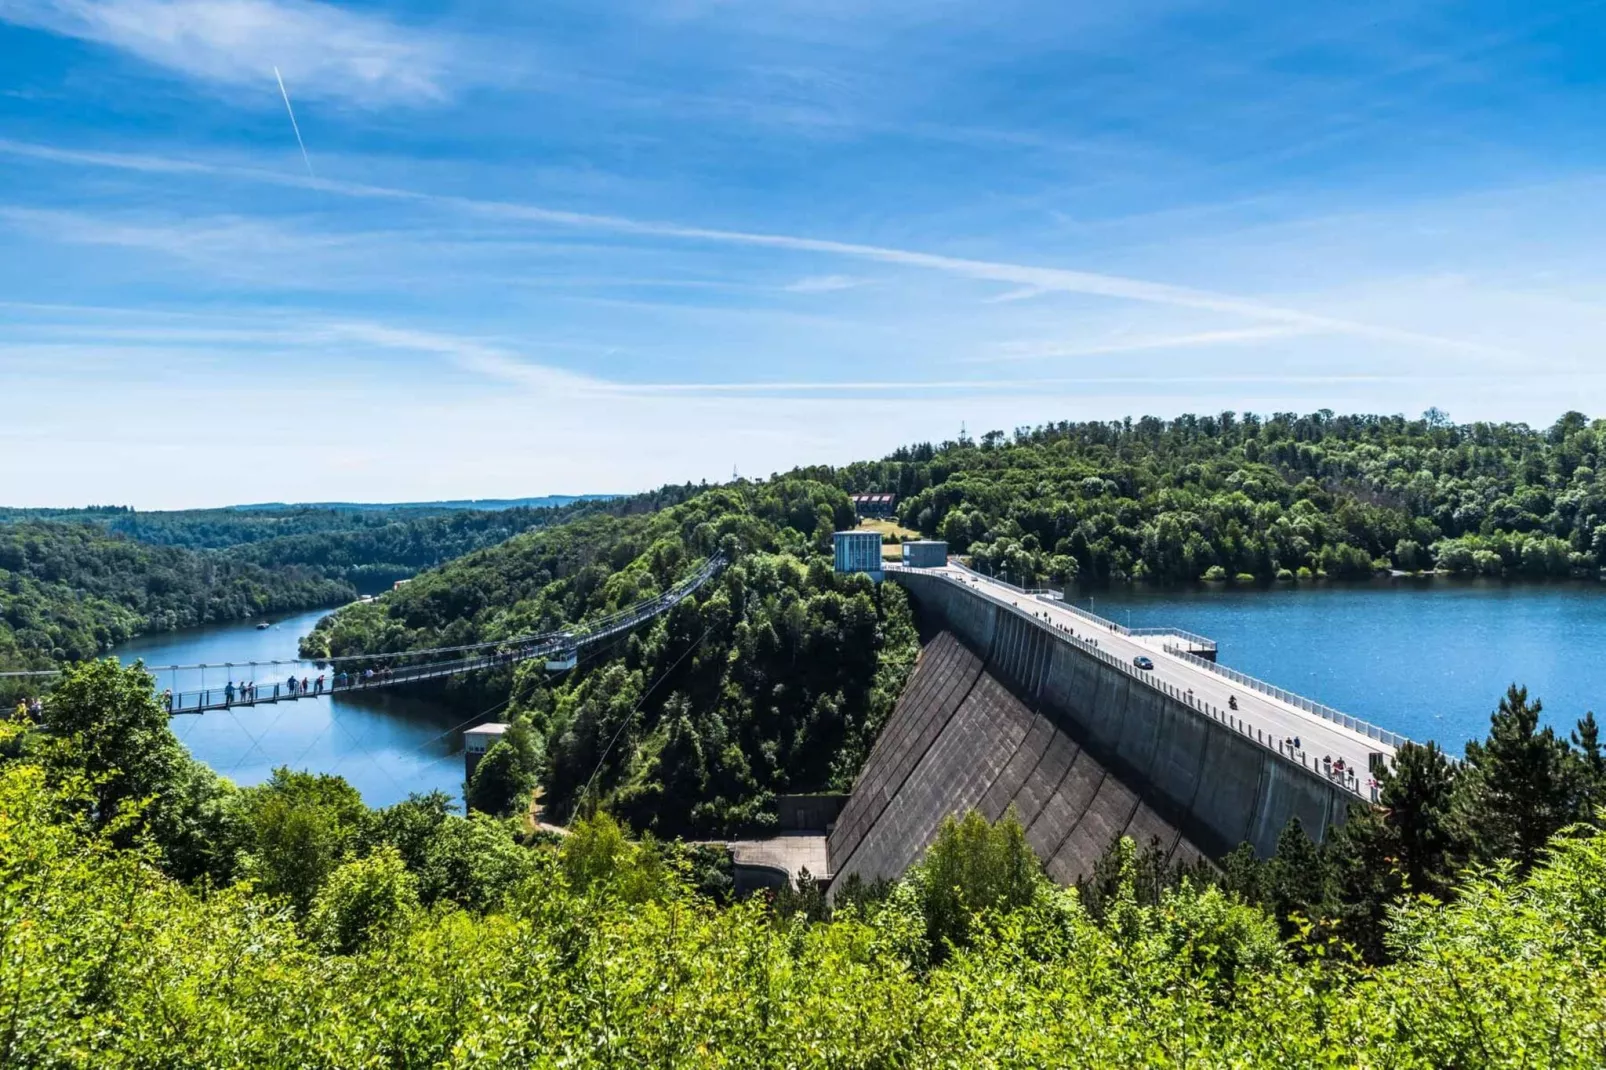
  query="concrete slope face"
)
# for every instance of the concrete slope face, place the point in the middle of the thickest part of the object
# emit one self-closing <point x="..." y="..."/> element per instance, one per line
<point x="1220" y="787"/>
<point x="1002" y="710"/>
<point x="960" y="739"/>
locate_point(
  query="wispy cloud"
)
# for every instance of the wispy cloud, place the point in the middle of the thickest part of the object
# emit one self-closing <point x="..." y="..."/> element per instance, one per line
<point x="824" y="284"/>
<point x="470" y="354"/>
<point x="1195" y="340"/>
<point x="1040" y="278"/>
<point x="217" y="240"/>
<point x="327" y="52"/>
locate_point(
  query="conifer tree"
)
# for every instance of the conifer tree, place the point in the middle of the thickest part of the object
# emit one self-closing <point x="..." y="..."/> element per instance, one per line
<point x="1521" y="784"/>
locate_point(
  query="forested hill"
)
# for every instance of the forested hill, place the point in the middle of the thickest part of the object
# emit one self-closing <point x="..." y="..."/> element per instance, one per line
<point x="73" y="581"/>
<point x="775" y="678"/>
<point x="1285" y="496"/>
<point x="67" y="591"/>
<point x="370" y="547"/>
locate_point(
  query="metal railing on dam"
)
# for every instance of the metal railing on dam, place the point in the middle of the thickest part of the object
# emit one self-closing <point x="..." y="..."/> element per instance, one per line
<point x="1198" y="642"/>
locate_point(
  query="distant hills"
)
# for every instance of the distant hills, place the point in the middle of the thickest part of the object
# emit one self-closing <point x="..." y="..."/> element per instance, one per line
<point x="549" y="501"/>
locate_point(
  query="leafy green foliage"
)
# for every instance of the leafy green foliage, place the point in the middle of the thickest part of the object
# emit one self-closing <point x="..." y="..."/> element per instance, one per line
<point x="109" y="734"/>
<point x="975" y="869"/>
<point x="69" y="591"/>
<point x="506" y="775"/>
<point x="412" y="936"/>
<point x="1229" y="495"/>
<point x="302" y="827"/>
<point x="363" y="900"/>
<point x="604" y="957"/>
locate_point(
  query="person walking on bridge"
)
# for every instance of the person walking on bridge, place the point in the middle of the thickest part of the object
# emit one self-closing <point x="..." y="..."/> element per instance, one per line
<point x="318" y="685"/>
<point x="292" y="686"/>
<point x="228" y="693"/>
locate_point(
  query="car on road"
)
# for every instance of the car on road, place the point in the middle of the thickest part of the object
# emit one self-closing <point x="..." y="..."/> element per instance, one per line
<point x="1142" y="662"/>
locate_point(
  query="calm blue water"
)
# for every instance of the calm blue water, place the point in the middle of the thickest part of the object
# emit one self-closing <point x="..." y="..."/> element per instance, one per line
<point x="386" y="743"/>
<point x="1426" y="658"/>
<point x="1429" y="659"/>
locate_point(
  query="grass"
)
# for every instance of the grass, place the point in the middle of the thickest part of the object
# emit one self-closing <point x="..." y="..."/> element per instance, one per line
<point x="889" y="551"/>
<point x="887" y="527"/>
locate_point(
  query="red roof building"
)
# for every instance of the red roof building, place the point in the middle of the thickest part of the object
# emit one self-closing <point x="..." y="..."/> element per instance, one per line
<point x="874" y="504"/>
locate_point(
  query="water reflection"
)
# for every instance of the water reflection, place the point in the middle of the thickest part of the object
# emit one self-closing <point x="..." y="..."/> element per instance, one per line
<point x="387" y="743"/>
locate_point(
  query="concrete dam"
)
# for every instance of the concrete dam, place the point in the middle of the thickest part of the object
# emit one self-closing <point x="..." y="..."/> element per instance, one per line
<point x="1015" y="703"/>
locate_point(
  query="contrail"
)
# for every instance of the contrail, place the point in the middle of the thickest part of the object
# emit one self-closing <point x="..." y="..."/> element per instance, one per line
<point x="304" y="158"/>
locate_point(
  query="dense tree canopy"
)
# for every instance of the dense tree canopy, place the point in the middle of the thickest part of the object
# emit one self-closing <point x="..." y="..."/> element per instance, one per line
<point x="1263" y="497"/>
<point x="775" y="678"/>
<point x="68" y="591"/>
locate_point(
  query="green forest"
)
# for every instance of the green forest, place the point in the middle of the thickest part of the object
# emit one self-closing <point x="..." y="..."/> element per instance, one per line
<point x="155" y="915"/>
<point x="68" y="591"/>
<point x="1226" y="497"/>
<point x="370" y="548"/>
<point x="775" y="678"/>
<point x="1285" y="497"/>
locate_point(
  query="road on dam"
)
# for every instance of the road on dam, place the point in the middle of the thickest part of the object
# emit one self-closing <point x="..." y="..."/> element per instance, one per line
<point x="1278" y="721"/>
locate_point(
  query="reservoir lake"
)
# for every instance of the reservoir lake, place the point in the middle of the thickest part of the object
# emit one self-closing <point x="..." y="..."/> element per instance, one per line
<point x="1426" y="658"/>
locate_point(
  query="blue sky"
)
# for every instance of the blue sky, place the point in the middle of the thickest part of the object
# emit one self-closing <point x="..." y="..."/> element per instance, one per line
<point x="566" y="247"/>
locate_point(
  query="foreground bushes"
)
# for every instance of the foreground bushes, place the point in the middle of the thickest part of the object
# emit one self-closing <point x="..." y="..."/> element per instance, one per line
<point x="603" y="956"/>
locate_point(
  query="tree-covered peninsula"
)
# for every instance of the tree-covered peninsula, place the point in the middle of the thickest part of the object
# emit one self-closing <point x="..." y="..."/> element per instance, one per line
<point x="70" y="590"/>
<point x="775" y="678"/>
<point x="75" y="581"/>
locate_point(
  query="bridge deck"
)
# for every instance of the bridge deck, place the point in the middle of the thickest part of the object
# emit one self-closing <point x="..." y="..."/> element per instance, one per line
<point x="1276" y="716"/>
<point x="207" y="700"/>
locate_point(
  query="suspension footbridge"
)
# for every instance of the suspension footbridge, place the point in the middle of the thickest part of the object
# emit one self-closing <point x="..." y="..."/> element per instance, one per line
<point x="363" y="672"/>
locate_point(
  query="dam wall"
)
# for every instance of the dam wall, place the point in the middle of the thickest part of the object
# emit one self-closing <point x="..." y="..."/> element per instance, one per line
<point x="1219" y="785"/>
<point x="1005" y="710"/>
<point x="960" y="739"/>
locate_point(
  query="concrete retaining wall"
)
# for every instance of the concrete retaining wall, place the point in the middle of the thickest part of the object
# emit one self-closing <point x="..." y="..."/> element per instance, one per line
<point x="1184" y="771"/>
